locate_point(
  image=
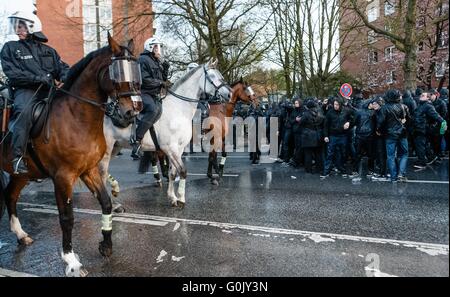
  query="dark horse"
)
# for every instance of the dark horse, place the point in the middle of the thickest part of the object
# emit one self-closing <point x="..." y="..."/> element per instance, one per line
<point x="75" y="145"/>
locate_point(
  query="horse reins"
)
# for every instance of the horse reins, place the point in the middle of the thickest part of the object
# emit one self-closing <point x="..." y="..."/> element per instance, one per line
<point x="207" y="78"/>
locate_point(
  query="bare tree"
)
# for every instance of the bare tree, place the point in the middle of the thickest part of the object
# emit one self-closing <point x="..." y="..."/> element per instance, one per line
<point x="229" y="30"/>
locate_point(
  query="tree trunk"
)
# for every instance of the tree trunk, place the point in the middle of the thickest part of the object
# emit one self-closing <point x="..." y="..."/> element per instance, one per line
<point x="410" y="67"/>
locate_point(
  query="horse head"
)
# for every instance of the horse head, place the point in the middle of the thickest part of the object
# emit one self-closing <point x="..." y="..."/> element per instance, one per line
<point x="212" y="81"/>
<point x="122" y="82"/>
<point x="243" y="91"/>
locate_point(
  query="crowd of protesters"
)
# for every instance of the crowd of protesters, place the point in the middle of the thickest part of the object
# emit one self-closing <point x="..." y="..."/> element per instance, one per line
<point x="337" y="135"/>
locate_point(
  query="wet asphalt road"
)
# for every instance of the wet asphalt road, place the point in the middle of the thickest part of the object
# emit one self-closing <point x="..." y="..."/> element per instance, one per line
<point x="263" y="220"/>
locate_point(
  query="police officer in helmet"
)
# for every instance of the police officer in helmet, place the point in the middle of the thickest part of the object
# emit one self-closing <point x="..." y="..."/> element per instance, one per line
<point x="154" y="77"/>
<point x="29" y="64"/>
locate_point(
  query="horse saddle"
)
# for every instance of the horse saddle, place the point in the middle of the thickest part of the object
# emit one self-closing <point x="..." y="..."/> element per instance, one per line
<point x="40" y="114"/>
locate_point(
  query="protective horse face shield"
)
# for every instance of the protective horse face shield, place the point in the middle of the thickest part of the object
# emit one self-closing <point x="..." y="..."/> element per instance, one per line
<point x="216" y="79"/>
<point x="249" y="91"/>
<point x="127" y="70"/>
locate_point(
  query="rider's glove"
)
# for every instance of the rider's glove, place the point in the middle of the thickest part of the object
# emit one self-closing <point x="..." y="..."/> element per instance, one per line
<point x="45" y="79"/>
<point x="167" y="84"/>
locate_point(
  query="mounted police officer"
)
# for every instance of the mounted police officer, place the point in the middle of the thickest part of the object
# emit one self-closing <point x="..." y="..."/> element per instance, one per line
<point x="154" y="77"/>
<point x="31" y="67"/>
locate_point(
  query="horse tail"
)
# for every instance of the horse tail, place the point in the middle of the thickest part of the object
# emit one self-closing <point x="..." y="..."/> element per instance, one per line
<point x="145" y="161"/>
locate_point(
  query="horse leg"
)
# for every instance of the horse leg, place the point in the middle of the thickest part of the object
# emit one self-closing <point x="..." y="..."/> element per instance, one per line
<point x="222" y="163"/>
<point x="182" y="186"/>
<point x="210" y="165"/>
<point x="11" y="195"/>
<point x="155" y="170"/>
<point x="171" y="189"/>
<point x="164" y="162"/>
<point x="63" y="192"/>
<point x="103" y="167"/>
<point x="93" y="181"/>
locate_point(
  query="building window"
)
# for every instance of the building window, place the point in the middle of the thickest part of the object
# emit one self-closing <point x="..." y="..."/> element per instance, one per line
<point x="440" y="69"/>
<point x="389" y="53"/>
<point x="372" y="11"/>
<point x="391" y="77"/>
<point x="373" y="57"/>
<point x="442" y="39"/>
<point x="389" y="7"/>
<point x="371" y="37"/>
<point x="92" y="24"/>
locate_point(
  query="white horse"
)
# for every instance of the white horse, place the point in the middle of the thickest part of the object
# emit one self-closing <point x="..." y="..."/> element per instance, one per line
<point x="174" y="128"/>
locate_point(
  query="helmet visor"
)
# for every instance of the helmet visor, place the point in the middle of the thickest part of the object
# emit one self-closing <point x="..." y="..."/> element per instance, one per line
<point x="125" y="70"/>
<point x="18" y="26"/>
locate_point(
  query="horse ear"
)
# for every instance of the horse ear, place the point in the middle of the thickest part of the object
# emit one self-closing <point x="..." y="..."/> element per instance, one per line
<point x="131" y="45"/>
<point x="115" y="47"/>
<point x="212" y="64"/>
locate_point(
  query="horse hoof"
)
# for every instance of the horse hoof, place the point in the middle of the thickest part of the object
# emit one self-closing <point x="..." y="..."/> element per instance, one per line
<point x="25" y="241"/>
<point x="181" y="204"/>
<point x="158" y="184"/>
<point x="174" y="204"/>
<point x="104" y="249"/>
<point x="215" y="182"/>
<point x="119" y="208"/>
<point x="76" y="271"/>
<point x="115" y="194"/>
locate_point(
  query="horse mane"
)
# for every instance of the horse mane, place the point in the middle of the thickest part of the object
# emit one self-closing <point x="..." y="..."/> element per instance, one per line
<point x="185" y="77"/>
<point x="77" y="69"/>
<point x="236" y="83"/>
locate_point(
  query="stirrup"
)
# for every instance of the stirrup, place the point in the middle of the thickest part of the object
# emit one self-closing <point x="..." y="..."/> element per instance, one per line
<point x="19" y="166"/>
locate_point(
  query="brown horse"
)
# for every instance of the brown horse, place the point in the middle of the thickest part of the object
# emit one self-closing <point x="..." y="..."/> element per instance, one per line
<point x="220" y="111"/>
<point x="76" y="144"/>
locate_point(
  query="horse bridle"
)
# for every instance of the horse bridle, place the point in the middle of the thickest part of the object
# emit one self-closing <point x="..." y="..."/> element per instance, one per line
<point x="117" y="95"/>
<point x="207" y="78"/>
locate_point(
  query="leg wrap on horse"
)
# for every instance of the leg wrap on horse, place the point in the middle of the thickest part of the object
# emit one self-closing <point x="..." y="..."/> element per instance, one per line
<point x="107" y="222"/>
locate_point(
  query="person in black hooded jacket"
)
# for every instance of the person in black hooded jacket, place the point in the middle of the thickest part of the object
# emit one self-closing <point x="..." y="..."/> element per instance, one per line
<point x="311" y="123"/>
<point x="392" y="120"/>
<point x="294" y="119"/>
<point x="434" y="134"/>
<point x="409" y="101"/>
<point x="337" y="123"/>
<point x="365" y="123"/>
<point x="424" y="116"/>
<point x="444" y="97"/>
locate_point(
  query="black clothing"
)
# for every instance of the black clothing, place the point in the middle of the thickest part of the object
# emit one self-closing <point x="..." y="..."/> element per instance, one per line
<point x="27" y="63"/>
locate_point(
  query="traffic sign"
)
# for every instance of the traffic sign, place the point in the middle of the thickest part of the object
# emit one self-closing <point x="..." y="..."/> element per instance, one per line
<point x="346" y="90"/>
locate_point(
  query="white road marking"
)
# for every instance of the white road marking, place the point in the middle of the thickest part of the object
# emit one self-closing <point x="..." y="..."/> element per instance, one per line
<point x="431" y="248"/>
<point x="414" y="181"/>
<point x="117" y="219"/>
<point x="140" y="221"/>
<point x="11" y="273"/>
<point x="204" y="174"/>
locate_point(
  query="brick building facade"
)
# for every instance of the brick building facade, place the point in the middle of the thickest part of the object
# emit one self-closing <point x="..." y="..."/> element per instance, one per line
<point x="377" y="63"/>
<point x="76" y="27"/>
